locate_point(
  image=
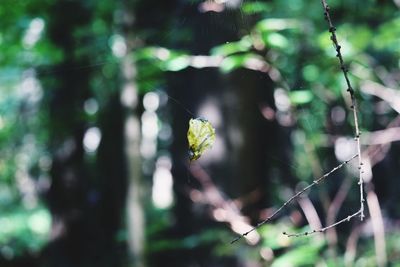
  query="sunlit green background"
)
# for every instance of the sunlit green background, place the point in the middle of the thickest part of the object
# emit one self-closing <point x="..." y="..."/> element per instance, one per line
<point x="95" y="98"/>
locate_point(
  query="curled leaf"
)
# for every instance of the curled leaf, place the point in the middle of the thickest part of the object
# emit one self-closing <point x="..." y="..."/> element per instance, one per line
<point x="201" y="136"/>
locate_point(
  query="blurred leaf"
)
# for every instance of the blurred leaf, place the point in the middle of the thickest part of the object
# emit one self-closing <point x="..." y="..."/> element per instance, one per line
<point x="177" y="63"/>
<point x="388" y="36"/>
<point x="236" y="61"/>
<point x="232" y="62"/>
<point x="145" y="53"/>
<point x="242" y="45"/>
<point x="311" y="73"/>
<point x="273" y="237"/>
<point x="300" y="97"/>
<point x="276" y="40"/>
<point x="24" y="229"/>
<point x="189" y="242"/>
<point x="305" y="255"/>
<point x="201" y="136"/>
<point x="270" y="25"/>
<point x="360" y="37"/>
<point x="249" y="8"/>
<point x="161" y="58"/>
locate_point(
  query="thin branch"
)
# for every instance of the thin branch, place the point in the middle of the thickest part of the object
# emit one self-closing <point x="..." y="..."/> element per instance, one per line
<point x="354" y="107"/>
<point x="315" y="182"/>
<point x="350" y="90"/>
<point x="347" y="219"/>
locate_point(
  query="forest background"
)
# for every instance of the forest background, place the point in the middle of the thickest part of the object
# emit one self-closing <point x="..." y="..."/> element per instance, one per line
<point x="95" y="99"/>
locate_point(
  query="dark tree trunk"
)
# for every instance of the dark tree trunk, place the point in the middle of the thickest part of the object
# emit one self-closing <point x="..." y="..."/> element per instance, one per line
<point x="82" y="230"/>
<point x="247" y="137"/>
<point x="110" y="191"/>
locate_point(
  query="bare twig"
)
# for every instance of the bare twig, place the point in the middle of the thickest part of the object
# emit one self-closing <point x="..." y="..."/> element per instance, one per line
<point x="348" y="218"/>
<point x="351" y="92"/>
<point x="354" y="107"/>
<point x="315" y="182"/>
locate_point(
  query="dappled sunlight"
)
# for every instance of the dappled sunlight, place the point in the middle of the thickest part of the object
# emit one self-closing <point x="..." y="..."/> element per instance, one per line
<point x="150" y="125"/>
<point x="118" y="46"/>
<point x="162" y="193"/>
<point x="151" y="101"/>
<point x="345" y="147"/>
<point x="30" y="88"/>
<point x="91" y="106"/>
<point x="33" y="33"/>
<point x="210" y="110"/>
<point x="199" y="133"/>
<point x="91" y="139"/>
<point x="128" y="95"/>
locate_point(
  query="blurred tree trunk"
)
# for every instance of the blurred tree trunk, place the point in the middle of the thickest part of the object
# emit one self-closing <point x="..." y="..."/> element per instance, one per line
<point x="88" y="191"/>
<point x="132" y="129"/>
<point x="112" y="176"/>
<point x="135" y="205"/>
<point x="255" y="142"/>
<point x="247" y="138"/>
<point x="67" y="197"/>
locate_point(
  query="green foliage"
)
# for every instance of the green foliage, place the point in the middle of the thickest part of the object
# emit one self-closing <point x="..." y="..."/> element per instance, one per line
<point x="289" y="37"/>
<point x="250" y="8"/>
<point x="23" y="231"/>
<point x="306" y="255"/>
<point x="300" y="97"/>
<point x="243" y="45"/>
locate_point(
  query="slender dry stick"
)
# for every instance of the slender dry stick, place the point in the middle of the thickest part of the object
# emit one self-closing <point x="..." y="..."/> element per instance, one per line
<point x="348" y="218"/>
<point x="315" y="182"/>
<point x="350" y="89"/>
